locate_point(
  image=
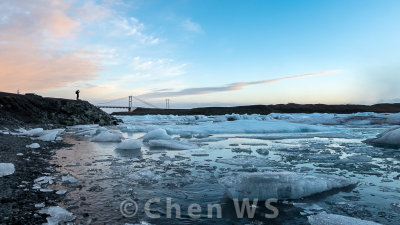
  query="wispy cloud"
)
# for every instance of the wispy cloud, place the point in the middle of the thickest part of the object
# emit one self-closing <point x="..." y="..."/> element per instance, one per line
<point x="191" y="26"/>
<point x="30" y="54"/>
<point x="132" y="27"/>
<point x="229" y="87"/>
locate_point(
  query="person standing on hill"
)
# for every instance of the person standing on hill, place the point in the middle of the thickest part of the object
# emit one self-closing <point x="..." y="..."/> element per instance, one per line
<point x="77" y="94"/>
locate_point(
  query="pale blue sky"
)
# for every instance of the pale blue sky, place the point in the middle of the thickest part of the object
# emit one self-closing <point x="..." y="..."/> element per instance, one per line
<point x="155" y="48"/>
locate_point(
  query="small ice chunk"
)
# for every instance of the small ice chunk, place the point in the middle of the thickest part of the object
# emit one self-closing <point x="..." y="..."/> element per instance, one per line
<point x="46" y="190"/>
<point x="50" y="135"/>
<point x="107" y="136"/>
<point x="130" y="144"/>
<point x="172" y="144"/>
<point x="57" y="215"/>
<point x="157" y="134"/>
<point x="20" y="154"/>
<point x="68" y="179"/>
<point x="6" y="169"/>
<point x="44" y="180"/>
<point x="388" y="137"/>
<point x="333" y="219"/>
<point x="34" y="146"/>
<point x="262" y="151"/>
<point x="279" y="185"/>
<point x="39" y="205"/>
<point x="61" y="192"/>
<point x="34" y="132"/>
<point x="356" y="159"/>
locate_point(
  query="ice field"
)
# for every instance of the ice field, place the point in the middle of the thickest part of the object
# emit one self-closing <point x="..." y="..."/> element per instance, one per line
<point x="322" y="167"/>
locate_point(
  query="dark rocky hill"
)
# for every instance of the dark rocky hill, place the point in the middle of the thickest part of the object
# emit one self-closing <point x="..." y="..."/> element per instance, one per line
<point x="267" y="109"/>
<point x="17" y="110"/>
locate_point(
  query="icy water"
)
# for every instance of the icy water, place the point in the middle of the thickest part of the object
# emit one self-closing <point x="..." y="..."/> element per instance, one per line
<point x="107" y="176"/>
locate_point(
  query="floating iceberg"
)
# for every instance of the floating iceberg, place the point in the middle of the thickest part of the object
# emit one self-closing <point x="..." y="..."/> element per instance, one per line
<point x="279" y="185"/>
<point x="388" y="137"/>
<point x="158" y="134"/>
<point x="34" y="146"/>
<point x="171" y="144"/>
<point x="57" y="215"/>
<point x="130" y="144"/>
<point x="6" y="169"/>
<point x="333" y="219"/>
<point x="107" y="136"/>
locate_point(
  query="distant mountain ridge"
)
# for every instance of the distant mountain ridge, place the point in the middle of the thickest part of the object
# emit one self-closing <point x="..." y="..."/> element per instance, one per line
<point x="267" y="109"/>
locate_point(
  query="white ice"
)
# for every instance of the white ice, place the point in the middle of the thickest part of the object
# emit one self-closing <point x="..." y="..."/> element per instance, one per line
<point x="231" y="127"/>
<point x="34" y="132"/>
<point x="68" y="179"/>
<point x="333" y="219"/>
<point x="6" y="169"/>
<point x="57" y="215"/>
<point x="279" y="185"/>
<point x="172" y="144"/>
<point x="33" y="145"/>
<point x="157" y="134"/>
<point x="107" y="136"/>
<point x="50" y="135"/>
<point x="130" y="144"/>
<point x="388" y="137"/>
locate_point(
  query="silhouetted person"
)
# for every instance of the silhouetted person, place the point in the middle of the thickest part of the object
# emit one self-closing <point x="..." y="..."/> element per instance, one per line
<point x="77" y="94"/>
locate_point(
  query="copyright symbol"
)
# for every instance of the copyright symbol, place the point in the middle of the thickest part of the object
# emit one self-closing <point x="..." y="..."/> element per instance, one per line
<point x="128" y="208"/>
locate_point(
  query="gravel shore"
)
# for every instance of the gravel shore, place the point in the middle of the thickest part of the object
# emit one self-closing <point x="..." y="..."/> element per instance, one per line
<point x="17" y="197"/>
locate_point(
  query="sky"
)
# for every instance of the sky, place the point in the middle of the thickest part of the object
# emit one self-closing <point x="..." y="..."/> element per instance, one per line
<point x="203" y="52"/>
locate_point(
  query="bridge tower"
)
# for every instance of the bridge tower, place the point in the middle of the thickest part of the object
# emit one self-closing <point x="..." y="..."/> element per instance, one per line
<point x="130" y="104"/>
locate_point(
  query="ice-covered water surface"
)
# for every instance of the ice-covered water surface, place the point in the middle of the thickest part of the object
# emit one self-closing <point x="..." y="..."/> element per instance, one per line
<point x="184" y="159"/>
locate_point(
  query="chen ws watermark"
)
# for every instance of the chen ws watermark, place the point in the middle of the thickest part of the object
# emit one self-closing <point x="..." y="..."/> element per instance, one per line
<point x="243" y="209"/>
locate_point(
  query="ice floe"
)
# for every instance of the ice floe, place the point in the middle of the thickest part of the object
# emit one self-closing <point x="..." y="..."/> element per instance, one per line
<point x="57" y="215"/>
<point x="157" y="134"/>
<point x="130" y="144"/>
<point x="172" y="144"/>
<point x="107" y="136"/>
<point x="279" y="185"/>
<point x="50" y="135"/>
<point x="333" y="219"/>
<point x="6" y="169"/>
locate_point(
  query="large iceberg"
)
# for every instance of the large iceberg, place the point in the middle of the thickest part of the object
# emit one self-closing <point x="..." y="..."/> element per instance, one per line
<point x="388" y="137"/>
<point x="6" y="169"/>
<point x="279" y="185"/>
<point x="107" y="136"/>
<point x="333" y="219"/>
<point x="157" y="134"/>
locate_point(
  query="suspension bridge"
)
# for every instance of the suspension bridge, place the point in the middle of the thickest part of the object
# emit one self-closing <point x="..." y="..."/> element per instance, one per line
<point x="130" y="107"/>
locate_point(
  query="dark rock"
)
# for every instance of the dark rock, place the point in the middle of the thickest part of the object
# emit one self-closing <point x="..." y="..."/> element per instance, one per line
<point x="30" y="109"/>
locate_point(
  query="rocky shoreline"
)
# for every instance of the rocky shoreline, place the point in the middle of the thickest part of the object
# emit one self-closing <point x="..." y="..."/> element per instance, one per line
<point x="17" y="196"/>
<point x="21" y="196"/>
